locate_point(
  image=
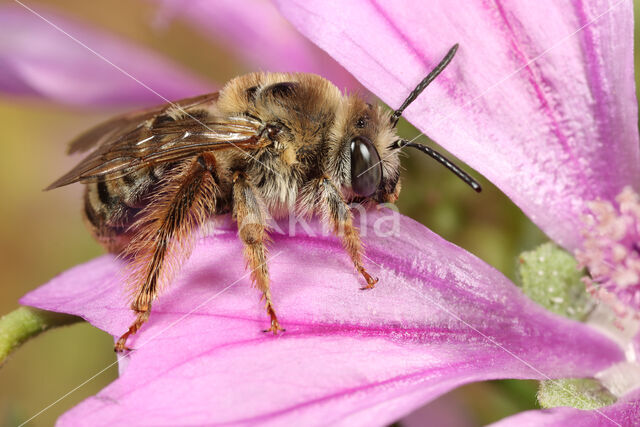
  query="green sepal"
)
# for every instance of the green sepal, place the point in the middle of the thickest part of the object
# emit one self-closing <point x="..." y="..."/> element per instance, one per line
<point x="550" y="276"/>
<point x="581" y="393"/>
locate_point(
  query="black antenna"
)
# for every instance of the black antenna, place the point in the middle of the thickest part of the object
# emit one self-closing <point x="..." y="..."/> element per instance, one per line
<point x="441" y="159"/>
<point x="423" y="84"/>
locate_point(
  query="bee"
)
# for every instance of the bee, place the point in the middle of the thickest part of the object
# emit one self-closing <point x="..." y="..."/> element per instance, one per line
<point x="266" y="145"/>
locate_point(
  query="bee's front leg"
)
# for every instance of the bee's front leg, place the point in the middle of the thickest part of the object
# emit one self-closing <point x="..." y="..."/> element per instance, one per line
<point x="164" y="233"/>
<point x="251" y="218"/>
<point x="335" y="210"/>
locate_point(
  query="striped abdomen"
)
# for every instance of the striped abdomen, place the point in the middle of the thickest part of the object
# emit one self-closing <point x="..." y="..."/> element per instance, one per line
<point x="111" y="205"/>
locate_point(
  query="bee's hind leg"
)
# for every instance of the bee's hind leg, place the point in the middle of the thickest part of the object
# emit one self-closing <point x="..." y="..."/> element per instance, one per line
<point x="164" y="233"/>
<point x="121" y="344"/>
<point x="251" y="218"/>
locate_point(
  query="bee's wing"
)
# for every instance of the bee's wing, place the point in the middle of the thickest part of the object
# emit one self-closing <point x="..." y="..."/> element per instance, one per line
<point x="160" y="135"/>
<point x="122" y="125"/>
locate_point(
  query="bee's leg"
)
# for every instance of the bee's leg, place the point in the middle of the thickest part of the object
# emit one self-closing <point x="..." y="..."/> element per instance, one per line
<point x="251" y="220"/>
<point x="165" y="230"/>
<point x="335" y="210"/>
<point x="142" y="317"/>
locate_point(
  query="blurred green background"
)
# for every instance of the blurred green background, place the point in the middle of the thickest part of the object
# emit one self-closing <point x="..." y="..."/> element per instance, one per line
<point x="41" y="234"/>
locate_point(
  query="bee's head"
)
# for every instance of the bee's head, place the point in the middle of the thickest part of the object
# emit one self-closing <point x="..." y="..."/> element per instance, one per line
<point x="361" y="154"/>
<point x="365" y="148"/>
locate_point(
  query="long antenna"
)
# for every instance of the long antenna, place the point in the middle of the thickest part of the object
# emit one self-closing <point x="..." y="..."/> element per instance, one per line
<point x="441" y="159"/>
<point x="423" y="84"/>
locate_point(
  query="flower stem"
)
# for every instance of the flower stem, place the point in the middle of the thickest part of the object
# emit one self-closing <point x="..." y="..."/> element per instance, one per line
<point x="26" y="322"/>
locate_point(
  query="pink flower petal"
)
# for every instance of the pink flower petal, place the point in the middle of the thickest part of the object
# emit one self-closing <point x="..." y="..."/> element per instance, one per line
<point x="38" y="60"/>
<point x="438" y="318"/>
<point x="625" y="412"/>
<point x="258" y="34"/>
<point x="540" y="97"/>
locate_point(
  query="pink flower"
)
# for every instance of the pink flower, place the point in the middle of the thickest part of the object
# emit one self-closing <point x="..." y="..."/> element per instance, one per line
<point x="542" y="103"/>
<point x="547" y="135"/>
<point x="439" y="318"/>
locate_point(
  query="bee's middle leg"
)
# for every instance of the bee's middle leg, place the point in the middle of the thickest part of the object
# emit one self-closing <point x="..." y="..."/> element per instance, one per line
<point x="251" y="220"/>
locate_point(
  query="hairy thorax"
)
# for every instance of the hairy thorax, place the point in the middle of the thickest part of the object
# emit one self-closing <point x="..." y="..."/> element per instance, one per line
<point x="300" y="109"/>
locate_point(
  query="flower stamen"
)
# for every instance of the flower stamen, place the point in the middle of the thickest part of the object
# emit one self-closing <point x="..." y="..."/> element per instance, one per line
<point x="611" y="252"/>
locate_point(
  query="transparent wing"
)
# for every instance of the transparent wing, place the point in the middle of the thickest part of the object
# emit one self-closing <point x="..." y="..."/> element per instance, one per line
<point x="163" y="134"/>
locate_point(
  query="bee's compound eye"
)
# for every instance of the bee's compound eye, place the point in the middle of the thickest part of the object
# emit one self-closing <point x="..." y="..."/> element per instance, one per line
<point x="366" y="169"/>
